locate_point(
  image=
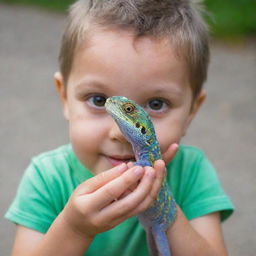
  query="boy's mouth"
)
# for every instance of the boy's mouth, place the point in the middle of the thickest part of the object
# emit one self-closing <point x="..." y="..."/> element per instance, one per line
<point x="118" y="159"/>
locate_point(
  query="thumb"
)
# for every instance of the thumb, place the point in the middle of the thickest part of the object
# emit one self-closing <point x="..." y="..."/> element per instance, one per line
<point x="170" y="153"/>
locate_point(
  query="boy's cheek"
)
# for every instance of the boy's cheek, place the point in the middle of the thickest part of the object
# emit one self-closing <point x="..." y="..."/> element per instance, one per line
<point x="166" y="138"/>
<point x="80" y="140"/>
<point x="65" y="111"/>
<point x="86" y="143"/>
<point x="82" y="152"/>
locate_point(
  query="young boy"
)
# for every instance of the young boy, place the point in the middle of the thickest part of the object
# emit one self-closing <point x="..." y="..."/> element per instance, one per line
<point x="83" y="198"/>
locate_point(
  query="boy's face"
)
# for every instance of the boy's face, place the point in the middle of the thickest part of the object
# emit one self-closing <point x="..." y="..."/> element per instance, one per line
<point x="146" y="71"/>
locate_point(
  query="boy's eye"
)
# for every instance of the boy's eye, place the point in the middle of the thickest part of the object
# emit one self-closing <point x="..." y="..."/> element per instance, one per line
<point x="97" y="101"/>
<point x="156" y="105"/>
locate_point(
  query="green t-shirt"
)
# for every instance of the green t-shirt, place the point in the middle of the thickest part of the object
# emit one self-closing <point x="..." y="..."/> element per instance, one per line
<point x="52" y="177"/>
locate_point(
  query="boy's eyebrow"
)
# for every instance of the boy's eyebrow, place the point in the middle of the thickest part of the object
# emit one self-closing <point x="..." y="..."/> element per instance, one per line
<point x="177" y="91"/>
<point x="96" y="84"/>
<point x="90" y="83"/>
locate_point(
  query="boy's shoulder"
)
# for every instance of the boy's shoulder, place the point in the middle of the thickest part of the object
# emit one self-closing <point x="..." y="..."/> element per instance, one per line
<point x="53" y="160"/>
<point x="54" y="154"/>
<point x="60" y="163"/>
<point x="46" y="186"/>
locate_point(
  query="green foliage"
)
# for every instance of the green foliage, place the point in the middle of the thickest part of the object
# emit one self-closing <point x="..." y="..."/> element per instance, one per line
<point x="57" y="5"/>
<point x="227" y="18"/>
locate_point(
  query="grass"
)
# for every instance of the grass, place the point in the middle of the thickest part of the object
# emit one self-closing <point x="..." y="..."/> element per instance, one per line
<point x="227" y="18"/>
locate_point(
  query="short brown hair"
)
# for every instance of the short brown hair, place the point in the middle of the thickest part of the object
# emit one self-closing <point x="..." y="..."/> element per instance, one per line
<point x="178" y="20"/>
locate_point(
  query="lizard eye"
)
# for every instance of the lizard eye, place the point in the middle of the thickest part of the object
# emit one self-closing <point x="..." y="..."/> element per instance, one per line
<point x="128" y="108"/>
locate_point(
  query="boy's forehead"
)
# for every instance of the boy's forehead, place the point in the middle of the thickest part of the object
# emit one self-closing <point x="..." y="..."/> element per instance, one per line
<point x="113" y="39"/>
<point x="146" y="55"/>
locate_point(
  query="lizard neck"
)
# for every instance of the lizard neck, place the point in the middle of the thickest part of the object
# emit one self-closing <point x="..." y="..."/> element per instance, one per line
<point x="147" y="154"/>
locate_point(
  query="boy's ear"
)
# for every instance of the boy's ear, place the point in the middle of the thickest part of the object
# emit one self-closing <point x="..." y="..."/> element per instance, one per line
<point x="62" y="91"/>
<point x="198" y="102"/>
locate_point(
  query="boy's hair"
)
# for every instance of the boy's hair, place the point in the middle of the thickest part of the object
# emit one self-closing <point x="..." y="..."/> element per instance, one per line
<point x="177" y="20"/>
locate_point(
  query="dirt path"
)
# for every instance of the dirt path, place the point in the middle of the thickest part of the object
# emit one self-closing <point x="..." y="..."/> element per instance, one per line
<point x="31" y="119"/>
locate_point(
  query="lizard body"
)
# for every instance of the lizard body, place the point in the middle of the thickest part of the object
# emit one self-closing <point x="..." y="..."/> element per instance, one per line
<point x="137" y="127"/>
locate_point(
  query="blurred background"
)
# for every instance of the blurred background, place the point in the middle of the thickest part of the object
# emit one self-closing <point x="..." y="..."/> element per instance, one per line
<point x="31" y="118"/>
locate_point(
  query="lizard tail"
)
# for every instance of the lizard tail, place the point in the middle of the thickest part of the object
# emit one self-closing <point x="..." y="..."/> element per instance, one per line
<point x="161" y="242"/>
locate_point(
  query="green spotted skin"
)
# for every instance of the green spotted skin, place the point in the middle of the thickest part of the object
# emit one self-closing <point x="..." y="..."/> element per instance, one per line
<point x="137" y="127"/>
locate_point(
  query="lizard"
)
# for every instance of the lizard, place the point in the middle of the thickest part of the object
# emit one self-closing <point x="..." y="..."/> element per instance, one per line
<point x="137" y="127"/>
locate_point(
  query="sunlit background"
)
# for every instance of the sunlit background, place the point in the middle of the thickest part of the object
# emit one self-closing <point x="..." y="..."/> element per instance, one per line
<point x="31" y="119"/>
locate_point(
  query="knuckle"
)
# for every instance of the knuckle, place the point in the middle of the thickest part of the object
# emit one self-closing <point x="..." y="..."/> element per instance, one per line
<point x="78" y="204"/>
<point x="101" y="177"/>
<point x="96" y="223"/>
<point x="145" y="205"/>
<point x="151" y="172"/>
<point x="110" y="193"/>
<point x="128" y="179"/>
<point x="126" y="206"/>
<point x="85" y="187"/>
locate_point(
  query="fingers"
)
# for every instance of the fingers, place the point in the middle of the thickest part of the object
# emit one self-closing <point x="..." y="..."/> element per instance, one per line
<point x="101" y="179"/>
<point x="159" y="167"/>
<point x="124" y="207"/>
<point x="115" y="188"/>
<point x="130" y="164"/>
<point x="122" y="192"/>
<point x="170" y="153"/>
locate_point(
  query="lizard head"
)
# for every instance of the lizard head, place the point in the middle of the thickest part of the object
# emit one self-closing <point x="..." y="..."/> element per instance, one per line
<point x="133" y="121"/>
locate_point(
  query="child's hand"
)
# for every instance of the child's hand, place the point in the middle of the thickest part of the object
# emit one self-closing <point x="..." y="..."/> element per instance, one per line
<point x="107" y="199"/>
<point x="169" y="154"/>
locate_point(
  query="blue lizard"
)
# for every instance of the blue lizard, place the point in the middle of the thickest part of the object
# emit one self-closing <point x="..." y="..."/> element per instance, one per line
<point x="137" y="127"/>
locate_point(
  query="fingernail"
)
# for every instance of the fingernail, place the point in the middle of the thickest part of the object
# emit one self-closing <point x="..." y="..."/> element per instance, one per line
<point x="175" y="146"/>
<point x="130" y="164"/>
<point x="138" y="170"/>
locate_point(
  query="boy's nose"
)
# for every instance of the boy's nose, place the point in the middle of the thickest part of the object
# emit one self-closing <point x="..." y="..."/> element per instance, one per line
<point x="115" y="133"/>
